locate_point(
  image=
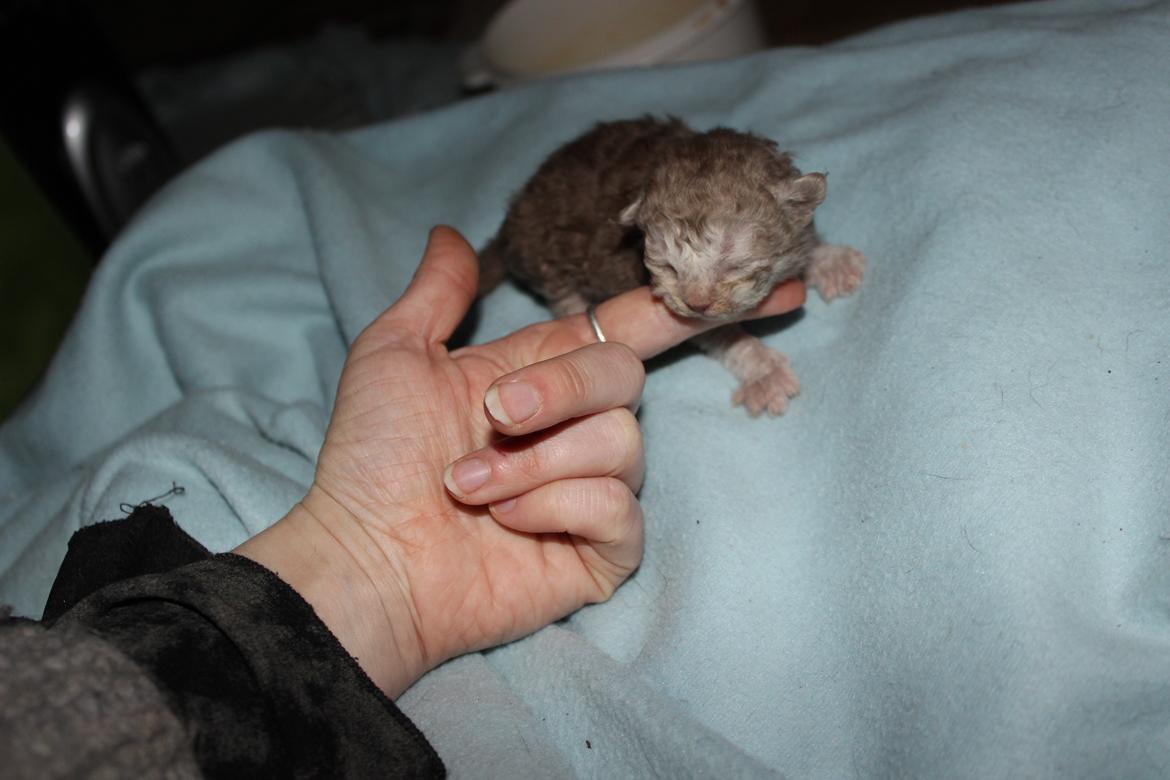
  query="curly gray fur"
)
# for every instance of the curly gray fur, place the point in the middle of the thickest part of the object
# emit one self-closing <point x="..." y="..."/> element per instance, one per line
<point x="714" y="219"/>
<point x="711" y="221"/>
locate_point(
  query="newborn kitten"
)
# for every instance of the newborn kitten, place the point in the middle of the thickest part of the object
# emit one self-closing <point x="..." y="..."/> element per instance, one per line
<point x="712" y="221"/>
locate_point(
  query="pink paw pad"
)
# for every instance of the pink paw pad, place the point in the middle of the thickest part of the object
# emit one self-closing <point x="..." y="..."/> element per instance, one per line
<point x="770" y="389"/>
<point x="835" y="270"/>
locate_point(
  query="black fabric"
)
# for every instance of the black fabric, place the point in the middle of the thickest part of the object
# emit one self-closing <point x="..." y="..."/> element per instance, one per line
<point x="147" y="542"/>
<point x="243" y="660"/>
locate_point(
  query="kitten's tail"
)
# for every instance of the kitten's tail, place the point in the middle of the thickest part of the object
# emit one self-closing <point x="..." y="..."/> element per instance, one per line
<point x="493" y="267"/>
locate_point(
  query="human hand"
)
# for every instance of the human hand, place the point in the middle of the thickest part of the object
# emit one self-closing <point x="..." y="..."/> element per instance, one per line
<point x="408" y="571"/>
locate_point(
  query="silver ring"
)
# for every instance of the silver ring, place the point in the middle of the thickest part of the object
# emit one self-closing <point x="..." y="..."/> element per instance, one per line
<point x="591" y="313"/>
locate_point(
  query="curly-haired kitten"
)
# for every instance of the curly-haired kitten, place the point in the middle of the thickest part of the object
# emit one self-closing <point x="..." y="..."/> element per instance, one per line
<point x="712" y="221"/>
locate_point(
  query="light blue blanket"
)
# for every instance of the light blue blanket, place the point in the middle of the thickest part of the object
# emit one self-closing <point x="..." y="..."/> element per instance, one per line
<point x="951" y="558"/>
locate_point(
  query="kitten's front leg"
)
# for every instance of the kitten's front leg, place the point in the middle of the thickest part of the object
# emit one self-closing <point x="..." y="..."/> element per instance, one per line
<point x="767" y="380"/>
<point x="569" y="305"/>
<point x="835" y="270"/>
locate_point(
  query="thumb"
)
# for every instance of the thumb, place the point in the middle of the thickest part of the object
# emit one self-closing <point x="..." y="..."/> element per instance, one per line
<point x="442" y="289"/>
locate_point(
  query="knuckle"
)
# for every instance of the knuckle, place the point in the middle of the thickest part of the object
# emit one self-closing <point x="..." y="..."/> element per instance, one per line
<point x="622" y="367"/>
<point x="564" y="500"/>
<point x="633" y="364"/>
<point x="624" y="430"/>
<point x="625" y="437"/>
<point x="535" y="464"/>
<point x="590" y="498"/>
<point x="574" y="379"/>
<point x="617" y="363"/>
<point x="604" y="500"/>
<point x="449" y="277"/>
<point x="522" y="464"/>
<point x="630" y="523"/>
<point x="613" y="498"/>
<point x="627" y="357"/>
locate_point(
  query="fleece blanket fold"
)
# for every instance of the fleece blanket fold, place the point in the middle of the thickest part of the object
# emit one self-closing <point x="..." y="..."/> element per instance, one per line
<point x="950" y="558"/>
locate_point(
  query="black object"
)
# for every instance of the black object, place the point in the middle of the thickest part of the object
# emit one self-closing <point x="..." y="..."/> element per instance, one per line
<point x="71" y="116"/>
<point x="147" y="542"/>
<point x="242" y="660"/>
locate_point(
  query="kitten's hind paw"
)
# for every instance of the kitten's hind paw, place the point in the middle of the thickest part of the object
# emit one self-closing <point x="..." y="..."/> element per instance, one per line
<point x="771" y="389"/>
<point x="835" y="270"/>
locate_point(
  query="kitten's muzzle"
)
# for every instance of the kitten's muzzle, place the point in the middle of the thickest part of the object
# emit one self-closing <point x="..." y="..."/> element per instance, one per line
<point x="706" y="311"/>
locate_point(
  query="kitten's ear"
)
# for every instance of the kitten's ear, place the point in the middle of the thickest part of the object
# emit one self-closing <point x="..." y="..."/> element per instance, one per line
<point x="629" y="214"/>
<point x="803" y="195"/>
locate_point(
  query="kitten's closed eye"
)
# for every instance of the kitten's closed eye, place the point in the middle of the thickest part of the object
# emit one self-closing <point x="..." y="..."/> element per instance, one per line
<point x="660" y="266"/>
<point x="739" y="266"/>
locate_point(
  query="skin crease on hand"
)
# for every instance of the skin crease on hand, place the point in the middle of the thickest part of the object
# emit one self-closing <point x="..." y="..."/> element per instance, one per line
<point x="464" y="499"/>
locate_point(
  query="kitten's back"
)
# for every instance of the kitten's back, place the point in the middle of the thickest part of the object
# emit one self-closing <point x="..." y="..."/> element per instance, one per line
<point x="561" y="236"/>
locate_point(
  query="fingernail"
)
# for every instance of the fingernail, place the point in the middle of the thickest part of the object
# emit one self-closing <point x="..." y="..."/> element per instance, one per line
<point x="512" y="402"/>
<point x="504" y="506"/>
<point x="466" y="476"/>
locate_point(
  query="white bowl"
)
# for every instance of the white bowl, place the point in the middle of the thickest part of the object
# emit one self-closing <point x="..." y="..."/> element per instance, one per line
<point x="531" y="39"/>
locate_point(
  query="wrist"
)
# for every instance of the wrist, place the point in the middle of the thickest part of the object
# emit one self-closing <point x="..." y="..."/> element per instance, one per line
<point x="324" y="554"/>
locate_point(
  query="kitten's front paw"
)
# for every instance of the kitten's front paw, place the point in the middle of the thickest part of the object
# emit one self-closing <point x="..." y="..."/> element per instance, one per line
<point x="770" y="390"/>
<point x="835" y="270"/>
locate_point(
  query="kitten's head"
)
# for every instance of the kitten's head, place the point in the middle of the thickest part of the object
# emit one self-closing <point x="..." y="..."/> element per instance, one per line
<point x="718" y="239"/>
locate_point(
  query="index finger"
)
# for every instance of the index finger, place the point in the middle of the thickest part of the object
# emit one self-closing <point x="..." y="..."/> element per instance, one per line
<point x="644" y="324"/>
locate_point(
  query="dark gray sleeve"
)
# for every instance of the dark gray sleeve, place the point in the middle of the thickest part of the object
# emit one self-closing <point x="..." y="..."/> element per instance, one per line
<point x="72" y="705"/>
<point x="246" y="663"/>
<point x="221" y="650"/>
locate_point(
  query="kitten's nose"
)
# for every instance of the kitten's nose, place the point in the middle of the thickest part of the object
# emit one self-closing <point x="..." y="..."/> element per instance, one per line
<point x="699" y="302"/>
